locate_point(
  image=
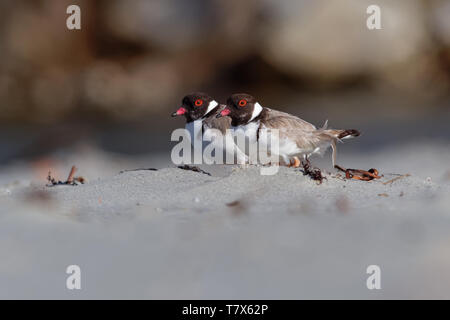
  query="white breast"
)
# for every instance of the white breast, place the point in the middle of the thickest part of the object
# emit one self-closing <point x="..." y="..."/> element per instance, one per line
<point x="249" y="131"/>
<point x="203" y="136"/>
<point x="285" y="147"/>
<point x="195" y="130"/>
<point x="289" y="147"/>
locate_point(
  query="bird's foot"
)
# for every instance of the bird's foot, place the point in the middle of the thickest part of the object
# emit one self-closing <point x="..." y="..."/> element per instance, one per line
<point x="294" y="163"/>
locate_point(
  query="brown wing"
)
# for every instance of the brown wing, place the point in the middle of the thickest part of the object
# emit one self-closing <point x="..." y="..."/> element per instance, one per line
<point x="302" y="132"/>
<point x="286" y="119"/>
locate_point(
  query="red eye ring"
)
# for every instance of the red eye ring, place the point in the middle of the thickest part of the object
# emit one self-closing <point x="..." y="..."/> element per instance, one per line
<point x="198" y="102"/>
<point x="242" y="103"/>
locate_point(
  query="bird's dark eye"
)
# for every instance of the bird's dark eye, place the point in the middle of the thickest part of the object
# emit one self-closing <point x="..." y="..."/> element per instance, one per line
<point x="198" y="102"/>
<point x="242" y="103"/>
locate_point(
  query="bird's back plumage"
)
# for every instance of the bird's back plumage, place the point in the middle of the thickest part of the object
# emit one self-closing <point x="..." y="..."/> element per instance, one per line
<point x="307" y="138"/>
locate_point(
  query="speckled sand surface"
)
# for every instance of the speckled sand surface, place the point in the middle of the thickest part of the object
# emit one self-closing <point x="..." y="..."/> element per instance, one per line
<point x="170" y="233"/>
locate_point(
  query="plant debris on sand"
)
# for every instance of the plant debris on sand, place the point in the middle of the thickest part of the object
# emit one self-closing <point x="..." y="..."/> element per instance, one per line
<point x="193" y="168"/>
<point x="71" y="179"/>
<point x="359" y="174"/>
<point x="314" y="173"/>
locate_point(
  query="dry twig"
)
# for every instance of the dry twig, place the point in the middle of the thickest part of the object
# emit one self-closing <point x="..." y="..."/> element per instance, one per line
<point x="397" y="178"/>
<point x="71" y="179"/>
<point x="193" y="168"/>
<point x="359" y="174"/>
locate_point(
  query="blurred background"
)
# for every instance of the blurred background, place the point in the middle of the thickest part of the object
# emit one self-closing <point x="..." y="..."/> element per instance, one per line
<point x="109" y="88"/>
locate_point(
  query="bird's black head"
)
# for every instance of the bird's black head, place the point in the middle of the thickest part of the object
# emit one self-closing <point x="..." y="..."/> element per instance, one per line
<point x="241" y="108"/>
<point x="195" y="106"/>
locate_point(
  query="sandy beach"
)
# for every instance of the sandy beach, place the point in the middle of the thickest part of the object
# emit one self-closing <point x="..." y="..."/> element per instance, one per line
<point x="231" y="233"/>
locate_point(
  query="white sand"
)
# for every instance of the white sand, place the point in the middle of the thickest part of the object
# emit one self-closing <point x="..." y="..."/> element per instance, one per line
<point x="170" y="234"/>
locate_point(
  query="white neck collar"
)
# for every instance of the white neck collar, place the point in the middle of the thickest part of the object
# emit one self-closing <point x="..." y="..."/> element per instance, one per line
<point x="211" y="106"/>
<point x="256" y="111"/>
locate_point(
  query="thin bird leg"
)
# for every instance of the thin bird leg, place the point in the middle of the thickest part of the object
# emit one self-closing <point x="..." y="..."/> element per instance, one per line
<point x="306" y="159"/>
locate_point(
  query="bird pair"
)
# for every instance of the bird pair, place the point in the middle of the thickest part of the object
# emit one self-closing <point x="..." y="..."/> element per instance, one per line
<point x="297" y="138"/>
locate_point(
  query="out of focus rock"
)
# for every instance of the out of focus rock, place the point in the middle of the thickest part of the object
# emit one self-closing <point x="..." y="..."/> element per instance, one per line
<point x="127" y="92"/>
<point x="104" y="86"/>
<point x="36" y="34"/>
<point x="53" y="94"/>
<point x="440" y="19"/>
<point x="330" y="40"/>
<point x="133" y="58"/>
<point x="40" y="60"/>
<point x="171" y="25"/>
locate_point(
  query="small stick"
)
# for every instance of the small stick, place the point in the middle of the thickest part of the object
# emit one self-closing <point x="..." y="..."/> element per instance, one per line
<point x="397" y="178"/>
<point x="71" y="179"/>
<point x="359" y="174"/>
<point x="340" y="168"/>
<point x="139" y="169"/>
<point x="71" y="174"/>
<point x="193" y="168"/>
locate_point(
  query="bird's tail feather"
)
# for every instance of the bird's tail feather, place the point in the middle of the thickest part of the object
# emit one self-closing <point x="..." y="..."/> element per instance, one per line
<point x="348" y="133"/>
<point x="339" y="134"/>
<point x="333" y="135"/>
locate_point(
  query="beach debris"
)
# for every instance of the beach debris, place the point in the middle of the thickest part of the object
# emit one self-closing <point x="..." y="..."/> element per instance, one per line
<point x="338" y="176"/>
<point x="383" y="195"/>
<point x="193" y="168"/>
<point x="396" y="178"/>
<point x="233" y="203"/>
<point x="237" y="207"/>
<point x="71" y="179"/>
<point x="313" y="173"/>
<point x="359" y="174"/>
<point x="139" y="169"/>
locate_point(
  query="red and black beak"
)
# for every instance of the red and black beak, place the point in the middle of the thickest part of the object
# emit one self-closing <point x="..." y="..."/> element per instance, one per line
<point x="179" y="112"/>
<point x="223" y="113"/>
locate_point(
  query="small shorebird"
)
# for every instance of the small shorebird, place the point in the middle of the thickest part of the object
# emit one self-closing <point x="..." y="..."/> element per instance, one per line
<point x="200" y="111"/>
<point x="297" y="138"/>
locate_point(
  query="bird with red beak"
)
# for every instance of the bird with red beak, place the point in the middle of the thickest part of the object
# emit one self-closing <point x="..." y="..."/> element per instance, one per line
<point x="200" y="111"/>
<point x="298" y="139"/>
